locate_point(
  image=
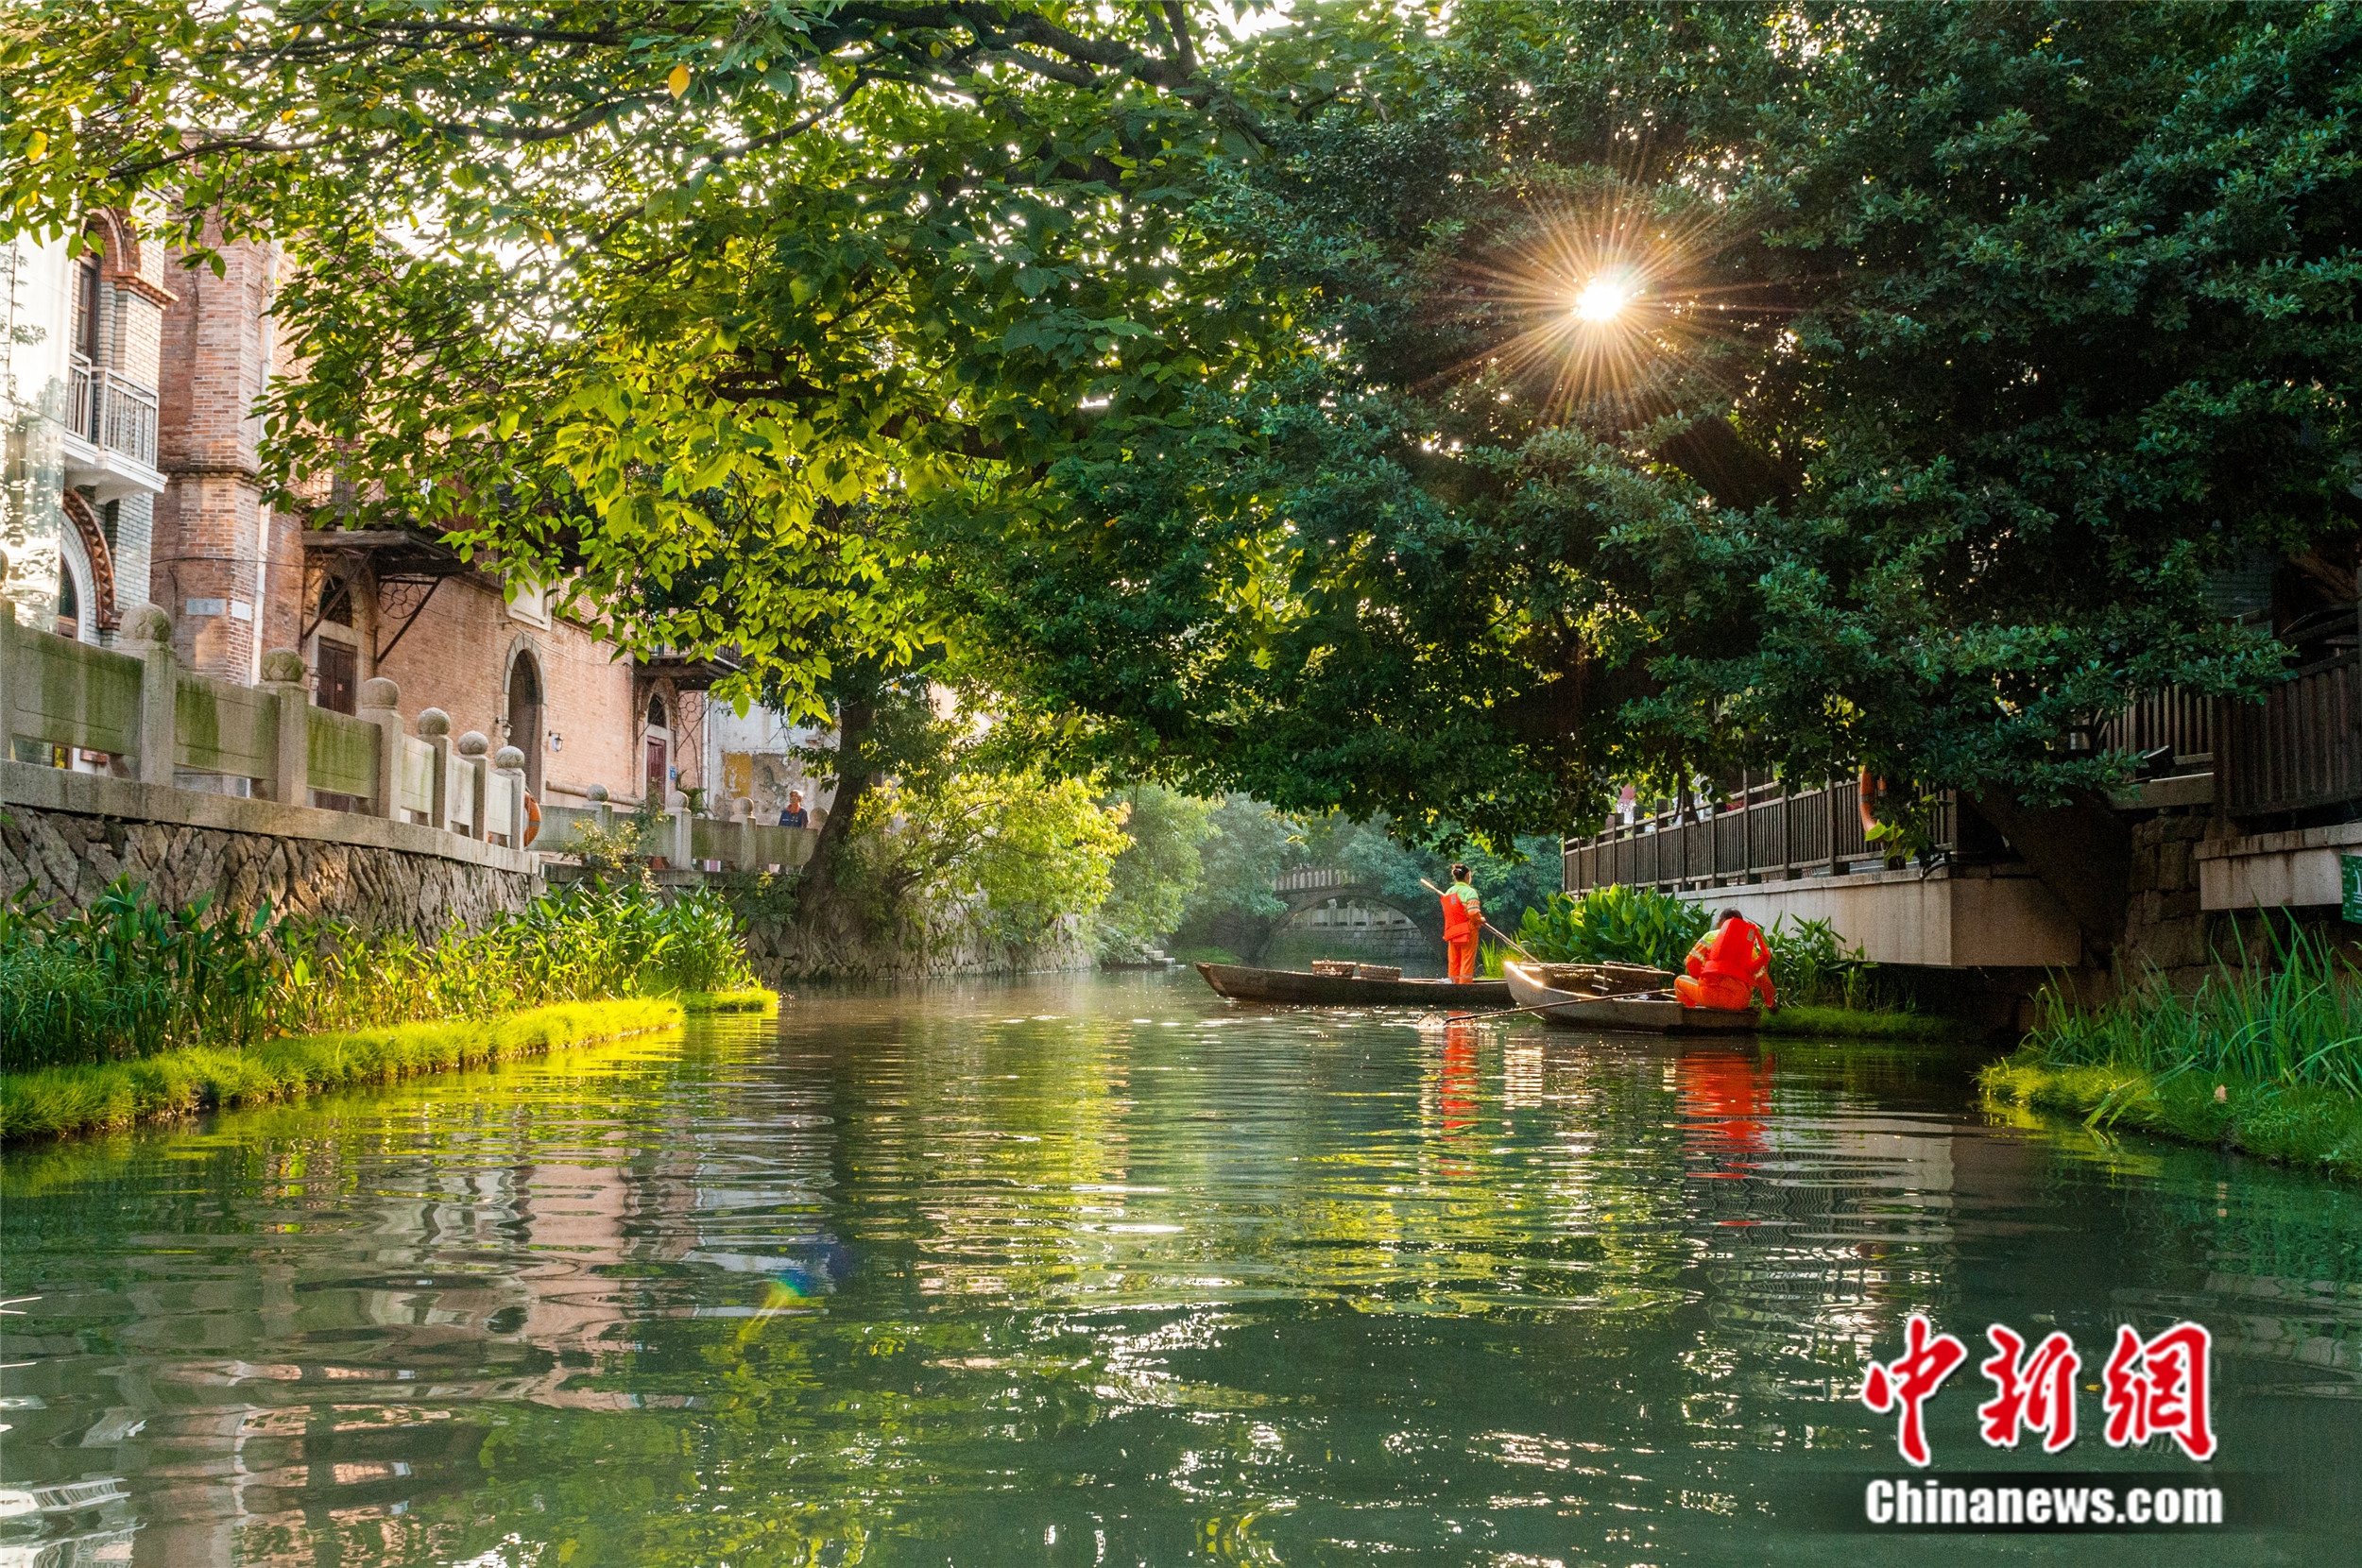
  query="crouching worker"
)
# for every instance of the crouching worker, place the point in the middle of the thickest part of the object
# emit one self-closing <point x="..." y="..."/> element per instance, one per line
<point x="1728" y="967"/>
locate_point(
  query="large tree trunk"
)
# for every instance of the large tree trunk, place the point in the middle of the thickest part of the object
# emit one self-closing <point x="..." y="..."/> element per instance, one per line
<point x="821" y="907"/>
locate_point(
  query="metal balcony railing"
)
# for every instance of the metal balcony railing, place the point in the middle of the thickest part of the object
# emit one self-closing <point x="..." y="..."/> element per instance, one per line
<point x="110" y="411"/>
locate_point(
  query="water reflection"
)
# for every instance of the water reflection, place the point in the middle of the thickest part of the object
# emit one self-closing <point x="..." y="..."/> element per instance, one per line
<point x="1088" y="1271"/>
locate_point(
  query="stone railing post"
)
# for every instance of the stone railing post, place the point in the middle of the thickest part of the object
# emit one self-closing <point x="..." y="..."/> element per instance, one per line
<point x="682" y="855"/>
<point x="746" y="813"/>
<point x="597" y="796"/>
<point x="473" y="770"/>
<point x="147" y="637"/>
<point x="377" y="706"/>
<point x="434" y="729"/>
<point x="291" y="697"/>
<point x="510" y="764"/>
<point x="8" y="673"/>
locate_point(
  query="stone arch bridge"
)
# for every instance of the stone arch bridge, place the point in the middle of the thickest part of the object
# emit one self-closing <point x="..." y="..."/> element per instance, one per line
<point x="1338" y="905"/>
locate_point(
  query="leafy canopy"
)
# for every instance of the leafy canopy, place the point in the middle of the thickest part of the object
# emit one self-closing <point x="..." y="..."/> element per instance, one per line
<point x="1957" y="347"/>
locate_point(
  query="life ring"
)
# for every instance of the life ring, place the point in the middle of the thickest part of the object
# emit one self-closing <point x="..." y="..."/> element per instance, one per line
<point x="532" y="820"/>
<point x="1866" y="790"/>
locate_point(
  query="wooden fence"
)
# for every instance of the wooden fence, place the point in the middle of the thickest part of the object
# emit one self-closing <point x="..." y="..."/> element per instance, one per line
<point x="1764" y="831"/>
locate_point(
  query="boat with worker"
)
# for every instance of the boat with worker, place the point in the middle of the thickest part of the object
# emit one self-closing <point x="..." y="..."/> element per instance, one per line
<point x="1626" y="998"/>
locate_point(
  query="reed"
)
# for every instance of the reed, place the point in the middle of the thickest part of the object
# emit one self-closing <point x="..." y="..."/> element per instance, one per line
<point x="127" y="979"/>
<point x="2295" y="1019"/>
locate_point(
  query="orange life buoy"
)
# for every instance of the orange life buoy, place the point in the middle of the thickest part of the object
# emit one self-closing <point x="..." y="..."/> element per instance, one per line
<point x="533" y="819"/>
<point x="1865" y="790"/>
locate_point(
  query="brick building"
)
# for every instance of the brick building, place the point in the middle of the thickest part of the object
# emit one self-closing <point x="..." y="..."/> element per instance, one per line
<point x="132" y="475"/>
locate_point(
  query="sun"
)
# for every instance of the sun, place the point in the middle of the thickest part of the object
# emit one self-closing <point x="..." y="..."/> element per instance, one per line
<point x="1603" y="300"/>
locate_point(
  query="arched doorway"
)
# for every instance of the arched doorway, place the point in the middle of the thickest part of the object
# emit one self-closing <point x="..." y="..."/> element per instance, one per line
<point x="524" y="716"/>
<point x="660" y="781"/>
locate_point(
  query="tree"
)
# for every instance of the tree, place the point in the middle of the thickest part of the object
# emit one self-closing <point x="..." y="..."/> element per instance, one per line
<point x="669" y="304"/>
<point x="947" y="817"/>
<point x="1151" y="881"/>
<point x="1709" y="385"/>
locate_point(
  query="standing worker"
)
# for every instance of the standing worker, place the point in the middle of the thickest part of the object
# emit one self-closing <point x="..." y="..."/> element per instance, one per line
<point x="1463" y="917"/>
<point x="1728" y="967"/>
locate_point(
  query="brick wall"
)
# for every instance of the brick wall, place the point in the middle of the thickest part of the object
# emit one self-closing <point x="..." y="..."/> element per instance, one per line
<point x="214" y="358"/>
<point x="457" y="655"/>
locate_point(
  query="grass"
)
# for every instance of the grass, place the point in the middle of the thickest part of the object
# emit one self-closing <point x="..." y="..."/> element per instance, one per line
<point x="2266" y="1058"/>
<point x="128" y="978"/>
<point x="751" y="999"/>
<point x="93" y="1095"/>
<point x="2296" y="1124"/>
<point x="1847" y="1023"/>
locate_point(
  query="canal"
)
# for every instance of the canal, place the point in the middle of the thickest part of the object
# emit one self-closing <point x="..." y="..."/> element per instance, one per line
<point x="1086" y="1271"/>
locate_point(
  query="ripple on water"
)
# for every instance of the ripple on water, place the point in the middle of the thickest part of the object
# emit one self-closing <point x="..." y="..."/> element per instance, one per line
<point x="1106" y="1270"/>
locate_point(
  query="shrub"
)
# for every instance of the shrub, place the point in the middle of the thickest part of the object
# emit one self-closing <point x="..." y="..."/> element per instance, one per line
<point x="1810" y="963"/>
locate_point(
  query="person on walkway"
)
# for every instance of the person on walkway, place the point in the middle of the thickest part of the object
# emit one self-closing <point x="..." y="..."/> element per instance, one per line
<point x="1729" y="968"/>
<point x="794" y="816"/>
<point x="1463" y="917"/>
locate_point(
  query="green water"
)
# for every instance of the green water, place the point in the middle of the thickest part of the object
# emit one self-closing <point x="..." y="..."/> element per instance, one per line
<point x="1106" y="1270"/>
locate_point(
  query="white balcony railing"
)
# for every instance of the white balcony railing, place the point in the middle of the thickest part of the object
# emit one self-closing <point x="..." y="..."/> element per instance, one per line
<point x="107" y="410"/>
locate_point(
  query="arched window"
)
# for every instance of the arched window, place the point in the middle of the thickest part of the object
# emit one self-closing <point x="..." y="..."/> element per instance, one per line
<point x="69" y="607"/>
<point x="337" y="602"/>
<point x="656" y="713"/>
<point x="524" y="716"/>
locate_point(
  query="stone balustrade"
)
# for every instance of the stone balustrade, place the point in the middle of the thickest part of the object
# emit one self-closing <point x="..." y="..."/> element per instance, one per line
<point x="163" y="725"/>
<point x="170" y="729"/>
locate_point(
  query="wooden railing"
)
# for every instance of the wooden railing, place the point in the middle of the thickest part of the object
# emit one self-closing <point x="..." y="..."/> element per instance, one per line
<point x="2298" y="748"/>
<point x="1766" y="831"/>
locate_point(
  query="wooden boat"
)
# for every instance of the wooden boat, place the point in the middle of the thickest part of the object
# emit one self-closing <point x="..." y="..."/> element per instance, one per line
<point x="1611" y="1006"/>
<point x="1296" y="988"/>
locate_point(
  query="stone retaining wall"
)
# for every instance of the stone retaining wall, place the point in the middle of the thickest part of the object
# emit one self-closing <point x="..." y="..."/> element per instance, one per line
<point x="310" y="865"/>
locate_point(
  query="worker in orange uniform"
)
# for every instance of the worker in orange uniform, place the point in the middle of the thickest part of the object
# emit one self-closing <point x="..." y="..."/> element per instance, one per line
<point x="1463" y="917"/>
<point x="1728" y="967"/>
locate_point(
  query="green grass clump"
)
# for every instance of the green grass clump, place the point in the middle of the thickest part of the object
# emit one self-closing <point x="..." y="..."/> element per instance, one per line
<point x="750" y="1000"/>
<point x="90" y="1096"/>
<point x="128" y="978"/>
<point x="1842" y="1023"/>
<point x="2265" y="1058"/>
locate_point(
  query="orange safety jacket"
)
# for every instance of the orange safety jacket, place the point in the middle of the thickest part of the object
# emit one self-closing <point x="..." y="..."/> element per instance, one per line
<point x="1458" y="924"/>
<point x="1736" y="951"/>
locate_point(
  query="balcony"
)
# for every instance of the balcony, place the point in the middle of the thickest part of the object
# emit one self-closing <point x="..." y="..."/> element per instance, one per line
<point x="113" y="421"/>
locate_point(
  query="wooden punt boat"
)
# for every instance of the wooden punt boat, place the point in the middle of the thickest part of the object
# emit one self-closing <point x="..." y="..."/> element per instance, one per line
<point x="1645" y="1011"/>
<point x="1296" y="988"/>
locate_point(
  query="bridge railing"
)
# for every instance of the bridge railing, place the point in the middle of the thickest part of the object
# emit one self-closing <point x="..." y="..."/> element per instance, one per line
<point x="1311" y="878"/>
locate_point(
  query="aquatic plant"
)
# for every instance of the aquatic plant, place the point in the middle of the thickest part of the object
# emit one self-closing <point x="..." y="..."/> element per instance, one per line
<point x="1613" y="924"/>
<point x="127" y="978"/>
<point x="2292" y="1018"/>
<point x="87" y="1095"/>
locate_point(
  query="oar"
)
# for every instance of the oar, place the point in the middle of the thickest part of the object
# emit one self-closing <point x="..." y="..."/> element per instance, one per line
<point x="1488" y="925"/>
<point x="1431" y="1020"/>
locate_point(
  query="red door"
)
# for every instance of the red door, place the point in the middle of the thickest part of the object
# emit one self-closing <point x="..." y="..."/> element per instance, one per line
<point x="656" y="772"/>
